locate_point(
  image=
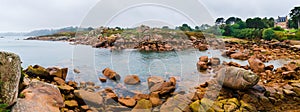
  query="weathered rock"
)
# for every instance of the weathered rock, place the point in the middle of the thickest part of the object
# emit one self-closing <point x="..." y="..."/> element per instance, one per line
<point x="10" y="73"/>
<point x="142" y="106"/>
<point x="256" y="65"/>
<point x="111" y="74"/>
<point x="202" y="66"/>
<point x="71" y="103"/>
<point x="129" y="102"/>
<point x="270" y="67"/>
<point x="37" y="70"/>
<point x="173" y="81"/>
<point x="202" y="47"/>
<point x="76" y="70"/>
<point x="59" y="81"/>
<point x="141" y="96"/>
<point x="110" y="94"/>
<point x="214" y="61"/>
<point x="153" y="80"/>
<point x="206" y="104"/>
<point x="203" y="59"/>
<point x="102" y="79"/>
<point x="247" y="107"/>
<point x="289" y="92"/>
<point x="89" y="98"/>
<point x="237" y="78"/>
<point x="239" y="55"/>
<point x="39" y="96"/>
<point x="58" y="72"/>
<point x="154" y="98"/>
<point x="196" y="106"/>
<point x="66" y="88"/>
<point x="132" y="80"/>
<point x="175" y="104"/>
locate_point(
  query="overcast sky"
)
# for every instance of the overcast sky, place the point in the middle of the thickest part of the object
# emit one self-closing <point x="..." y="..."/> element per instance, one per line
<point x="27" y="15"/>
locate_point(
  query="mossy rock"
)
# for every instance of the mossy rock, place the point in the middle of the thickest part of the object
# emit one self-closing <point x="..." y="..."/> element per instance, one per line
<point x="143" y="106"/>
<point x="235" y="101"/>
<point x="37" y="70"/>
<point x="196" y="106"/>
<point x="247" y="107"/>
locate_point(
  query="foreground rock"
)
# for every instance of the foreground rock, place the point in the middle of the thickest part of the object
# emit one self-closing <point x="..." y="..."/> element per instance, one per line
<point x="178" y="103"/>
<point x="38" y="97"/>
<point x="256" y="65"/>
<point x="142" y="106"/>
<point x="109" y="73"/>
<point x="39" y="71"/>
<point x="237" y="78"/>
<point x="157" y="84"/>
<point x="132" y="80"/>
<point x="90" y="98"/>
<point x="10" y="73"/>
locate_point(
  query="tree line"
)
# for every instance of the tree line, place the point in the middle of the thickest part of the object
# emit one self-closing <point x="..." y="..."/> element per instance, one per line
<point x="251" y="28"/>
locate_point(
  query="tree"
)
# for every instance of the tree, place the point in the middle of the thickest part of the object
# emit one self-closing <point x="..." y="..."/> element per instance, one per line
<point x="295" y="15"/>
<point x="165" y="27"/>
<point x="185" y="27"/>
<point x="220" y="21"/>
<point x="242" y="24"/>
<point x="230" y="20"/>
<point x="292" y="24"/>
<point x="228" y="30"/>
<point x="255" y="23"/>
<point x="238" y="20"/>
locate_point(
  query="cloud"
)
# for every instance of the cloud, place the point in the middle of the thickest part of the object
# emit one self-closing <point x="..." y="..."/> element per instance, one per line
<point x="26" y="15"/>
<point x="249" y="8"/>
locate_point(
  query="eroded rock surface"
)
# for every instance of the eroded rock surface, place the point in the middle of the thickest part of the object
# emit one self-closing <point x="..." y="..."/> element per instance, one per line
<point x="39" y="97"/>
<point x="10" y="73"/>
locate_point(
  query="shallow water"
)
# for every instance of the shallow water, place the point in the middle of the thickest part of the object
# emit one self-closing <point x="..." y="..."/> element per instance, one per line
<point x="91" y="62"/>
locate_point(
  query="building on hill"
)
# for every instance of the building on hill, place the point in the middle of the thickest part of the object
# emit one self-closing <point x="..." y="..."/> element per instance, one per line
<point x="282" y="22"/>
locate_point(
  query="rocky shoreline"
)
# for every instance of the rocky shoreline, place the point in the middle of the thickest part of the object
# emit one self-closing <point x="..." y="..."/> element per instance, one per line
<point x="234" y="88"/>
<point x="254" y="87"/>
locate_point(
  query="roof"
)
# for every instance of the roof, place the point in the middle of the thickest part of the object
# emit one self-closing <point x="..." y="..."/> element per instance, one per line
<point x="281" y="19"/>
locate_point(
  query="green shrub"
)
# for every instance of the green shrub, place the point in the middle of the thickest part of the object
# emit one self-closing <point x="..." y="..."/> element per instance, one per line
<point x="291" y="36"/>
<point x="278" y="28"/>
<point x="283" y="38"/>
<point x="268" y="34"/>
<point x="279" y="35"/>
<point x="3" y="108"/>
<point x="297" y="34"/>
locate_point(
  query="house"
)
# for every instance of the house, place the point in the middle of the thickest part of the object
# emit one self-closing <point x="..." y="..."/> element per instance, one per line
<point x="282" y="22"/>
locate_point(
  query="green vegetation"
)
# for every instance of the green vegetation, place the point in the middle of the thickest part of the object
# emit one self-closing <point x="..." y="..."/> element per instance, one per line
<point x="3" y="108"/>
<point x="252" y="28"/>
<point x="295" y="17"/>
<point x="268" y="34"/>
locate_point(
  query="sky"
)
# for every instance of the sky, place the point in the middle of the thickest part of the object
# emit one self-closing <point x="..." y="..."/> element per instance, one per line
<point x="28" y="15"/>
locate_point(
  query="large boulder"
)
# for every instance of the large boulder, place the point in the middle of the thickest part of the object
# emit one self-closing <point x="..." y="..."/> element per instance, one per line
<point x="153" y="80"/>
<point x="178" y="103"/>
<point x="142" y="106"/>
<point x="129" y="102"/>
<point x="239" y="55"/>
<point x="256" y="65"/>
<point x="58" y="72"/>
<point x="37" y="70"/>
<point x="157" y="84"/>
<point x="90" y="98"/>
<point x="132" y="79"/>
<point x="39" y="97"/>
<point x="10" y="73"/>
<point x="109" y="73"/>
<point x="236" y="78"/>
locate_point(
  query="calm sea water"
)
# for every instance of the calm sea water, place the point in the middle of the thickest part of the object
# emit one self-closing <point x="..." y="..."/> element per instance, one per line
<point x="91" y="62"/>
